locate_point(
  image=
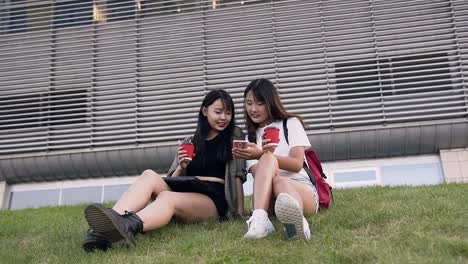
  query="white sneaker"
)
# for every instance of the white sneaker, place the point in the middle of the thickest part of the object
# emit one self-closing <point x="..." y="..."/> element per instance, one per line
<point x="289" y="213"/>
<point x="259" y="226"/>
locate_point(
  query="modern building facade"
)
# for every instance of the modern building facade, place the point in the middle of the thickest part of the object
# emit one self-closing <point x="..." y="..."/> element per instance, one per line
<point x="93" y="92"/>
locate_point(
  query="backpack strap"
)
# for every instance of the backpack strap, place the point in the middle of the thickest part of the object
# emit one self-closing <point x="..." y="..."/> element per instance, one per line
<point x="285" y="130"/>
<point x="306" y="168"/>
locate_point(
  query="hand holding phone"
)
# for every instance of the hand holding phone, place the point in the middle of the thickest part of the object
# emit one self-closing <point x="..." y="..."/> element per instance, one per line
<point x="240" y="144"/>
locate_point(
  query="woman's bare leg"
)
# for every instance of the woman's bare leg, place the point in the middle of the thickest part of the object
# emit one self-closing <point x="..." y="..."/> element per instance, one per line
<point x="267" y="169"/>
<point x="139" y="193"/>
<point x="294" y="199"/>
<point x="259" y="225"/>
<point x="303" y="194"/>
<point x="190" y="207"/>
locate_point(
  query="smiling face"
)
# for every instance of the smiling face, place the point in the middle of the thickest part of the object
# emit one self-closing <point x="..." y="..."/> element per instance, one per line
<point x="218" y="116"/>
<point x="257" y="110"/>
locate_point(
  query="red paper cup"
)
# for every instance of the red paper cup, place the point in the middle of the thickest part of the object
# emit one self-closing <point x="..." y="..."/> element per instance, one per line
<point x="272" y="133"/>
<point x="189" y="148"/>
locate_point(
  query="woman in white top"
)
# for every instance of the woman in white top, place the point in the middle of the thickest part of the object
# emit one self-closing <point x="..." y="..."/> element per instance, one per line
<point x="277" y="169"/>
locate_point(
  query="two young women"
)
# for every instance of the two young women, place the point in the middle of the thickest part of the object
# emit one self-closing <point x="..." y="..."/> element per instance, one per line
<point x="212" y="184"/>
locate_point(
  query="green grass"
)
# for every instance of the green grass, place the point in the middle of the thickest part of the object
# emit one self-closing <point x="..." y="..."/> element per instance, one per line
<point x="369" y="225"/>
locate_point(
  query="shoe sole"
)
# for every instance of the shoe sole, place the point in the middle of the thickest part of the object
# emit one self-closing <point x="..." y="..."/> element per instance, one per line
<point x="255" y="237"/>
<point x="90" y="246"/>
<point x="289" y="214"/>
<point x="103" y="222"/>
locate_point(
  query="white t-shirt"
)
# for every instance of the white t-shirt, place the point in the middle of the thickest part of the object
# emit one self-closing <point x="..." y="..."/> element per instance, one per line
<point x="297" y="137"/>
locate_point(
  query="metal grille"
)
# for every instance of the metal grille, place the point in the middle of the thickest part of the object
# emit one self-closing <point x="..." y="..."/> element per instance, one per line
<point x="93" y="74"/>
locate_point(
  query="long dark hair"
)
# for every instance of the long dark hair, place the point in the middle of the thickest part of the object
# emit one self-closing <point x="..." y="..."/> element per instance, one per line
<point x="264" y="91"/>
<point x="224" y="148"/>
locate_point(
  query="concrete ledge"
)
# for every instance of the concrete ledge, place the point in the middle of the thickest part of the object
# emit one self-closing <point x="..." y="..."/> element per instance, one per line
<point x="455" y="165"/>
<point x="4" y="192"/>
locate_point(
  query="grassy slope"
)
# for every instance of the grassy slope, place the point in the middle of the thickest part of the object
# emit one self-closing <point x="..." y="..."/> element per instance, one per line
<point x="371" y="225"/>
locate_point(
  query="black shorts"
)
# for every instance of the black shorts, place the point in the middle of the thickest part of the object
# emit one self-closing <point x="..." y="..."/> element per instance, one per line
<point x="214" y="190"/>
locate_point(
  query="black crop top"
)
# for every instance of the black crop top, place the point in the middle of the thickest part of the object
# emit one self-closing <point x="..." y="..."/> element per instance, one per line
<point x="212" y="167"/>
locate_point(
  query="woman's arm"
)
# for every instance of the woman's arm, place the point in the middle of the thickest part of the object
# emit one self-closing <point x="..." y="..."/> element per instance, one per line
<point x="249" y="153"/>
<point x="294" y="161"/>
<point x="179" y="164"/>
<point x="178" y="171"/>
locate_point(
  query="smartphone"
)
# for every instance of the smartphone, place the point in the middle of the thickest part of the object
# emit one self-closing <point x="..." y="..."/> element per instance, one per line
<point x="240" y="144"/>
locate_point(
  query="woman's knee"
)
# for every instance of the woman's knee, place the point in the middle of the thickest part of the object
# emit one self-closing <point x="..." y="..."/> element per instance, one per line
<point x="268" y="164"/>
<point x="149" y="174"/>
<point x="154" y="180"/>
<point x="268" y="158"/>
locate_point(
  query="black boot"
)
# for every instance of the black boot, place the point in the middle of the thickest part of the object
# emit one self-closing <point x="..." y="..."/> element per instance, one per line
<point x="94" y="241"/>
<point x="134" y="221"/>
<point x="112" y="225"/>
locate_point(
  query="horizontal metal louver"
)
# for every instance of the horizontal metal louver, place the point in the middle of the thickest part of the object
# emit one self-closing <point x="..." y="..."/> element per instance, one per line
<point x="373" y="62"/>
<point x="170" y="71"/>
<point x="239" y="48"/>
<point x="95" y="74"/>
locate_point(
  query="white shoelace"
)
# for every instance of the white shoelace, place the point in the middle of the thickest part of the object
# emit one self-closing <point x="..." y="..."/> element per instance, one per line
<point x="250" y="221"/>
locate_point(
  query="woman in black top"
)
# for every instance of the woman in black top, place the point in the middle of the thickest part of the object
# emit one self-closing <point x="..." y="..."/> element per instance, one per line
<point x="152" y="201"/>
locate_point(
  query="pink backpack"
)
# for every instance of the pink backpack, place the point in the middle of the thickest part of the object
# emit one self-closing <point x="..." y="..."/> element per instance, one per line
<point x="313" y="167"/>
